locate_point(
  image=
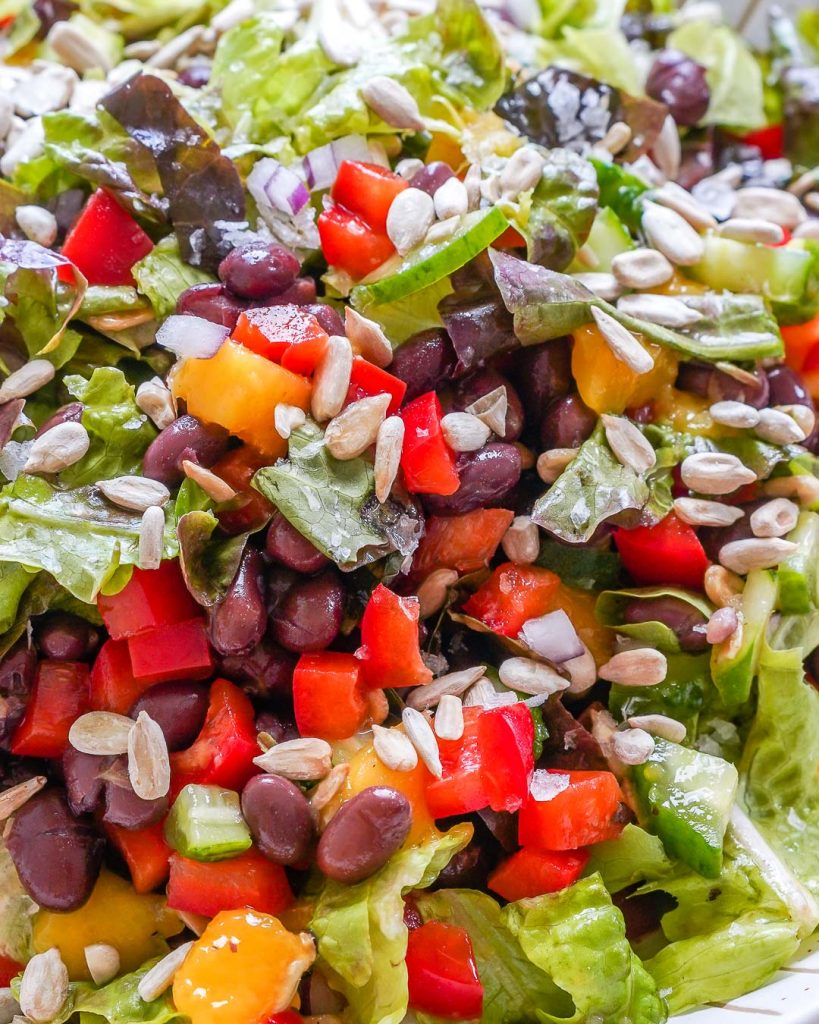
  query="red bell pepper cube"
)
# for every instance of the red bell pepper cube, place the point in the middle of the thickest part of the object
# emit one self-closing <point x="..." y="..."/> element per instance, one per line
<point x="802" y="345"/>
<point x="152" y="597"/>
<point x="466" y="542"/>
<point x="390" y="654"/>
<point x="113" y="687"/>
<point x="350" y="244"/>
<point x="511" y="596"/>
<point x="285" y="1017"/>
<point x="328" y="695"/>
<point x="367" y="190"/>
<point x="145" y="852"/>
<point x="770" y="141"/>
<point x="426" y="459"/>
<point x="367" y="380"/>
<point x="529" y="873"/>
<point x="442" y="973"/>
<point x="59" y="696"/>
<point x="8" y="969"/>
<point x="178" y="651"/>
<point x="250" y="510"/>
<point x="106" y="242"/>
<point x="224" y="750"/>
<point x="461" y="789"/>
<point x="582" y="813"/>
<point x="285" y="334"/>
<point x="506" y="737"/>
<point x="249" y="880"/>
<point x="668" y="553"/>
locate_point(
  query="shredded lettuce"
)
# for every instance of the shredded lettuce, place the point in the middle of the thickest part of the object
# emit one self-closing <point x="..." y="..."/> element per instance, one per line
<point x="16" y="912"/>
<point x="162" y="275"/>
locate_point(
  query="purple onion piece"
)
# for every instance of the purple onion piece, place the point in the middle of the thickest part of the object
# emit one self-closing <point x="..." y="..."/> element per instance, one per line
<point x="192" y="336"/>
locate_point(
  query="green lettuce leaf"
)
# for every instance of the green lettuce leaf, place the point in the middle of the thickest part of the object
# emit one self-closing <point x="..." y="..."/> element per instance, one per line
<point x="16" y="912"/>
<point x="611" y="605"/>
<point x="14" y="581"/>
<point x="162" y="275"/>
<point x="360" y="930"/>
<point x="635" y="856"/>
<point x="209" y="563"/>
<point x="603" y="53"/>
<point x="136" y="19"/>
<point x="405" y="317"/>
<point x="685" y="694"/>
<point x="579" y="938"/>
<point x="587" y="568"/>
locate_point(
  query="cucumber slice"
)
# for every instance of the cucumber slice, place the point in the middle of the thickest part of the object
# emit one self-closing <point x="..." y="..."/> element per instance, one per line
<point x="431" y="263"/>
<point x="685" y="797"/>
<point x="797" y="576"/>
<point x="607" y="239"/>
<point x="206" y="823"/>
<point x="780" y="274"/>
<point x="733" y="670"/>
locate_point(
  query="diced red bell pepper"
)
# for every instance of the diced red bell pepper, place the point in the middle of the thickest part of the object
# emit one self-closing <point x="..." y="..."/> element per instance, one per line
<point x="285" y="1017"/>
<point x="106" y="242"/>
<point x="145" y="852"/>
<point x="249" y="880"/>
<point x="367" y="190"/>
<point x="367" y="379"/>
<point x="328" y="695"/>
<point x="350" y="244"/>
<point x="529" y="873"/>
<point x="113" y="687"/>
<point x="511" y="596"/>
<point x="224" y="750"/>
<point x="390" y="654"/>
<point x="59" y="696"/>
<point x="668" y="553"/>
<point x="426" y="459"/>
<point x="461" y="789"/>
<point x="466" y="542"/>
<point x="802" y="345"/>
<point x="152" y="597"/>
<point x="286" y="334"/>
<point x="442" y="973"/>
<point x="506" y="737"/>
<point x="250" y="510"/>
<point x="178" y="651"/>
<point x="8" y="969"/>
<point x="583" y="813"/>
<point x="770" y="141"/>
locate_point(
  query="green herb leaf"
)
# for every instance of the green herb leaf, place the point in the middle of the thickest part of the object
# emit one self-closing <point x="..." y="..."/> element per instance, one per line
<point x="162" y="275"/>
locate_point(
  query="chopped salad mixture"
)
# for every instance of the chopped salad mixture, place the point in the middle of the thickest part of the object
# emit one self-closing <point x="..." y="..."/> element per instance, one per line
<point x="409" y="514"/>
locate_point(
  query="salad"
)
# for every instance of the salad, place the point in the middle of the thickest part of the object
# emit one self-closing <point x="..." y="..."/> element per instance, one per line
<point x="409" y="515"/>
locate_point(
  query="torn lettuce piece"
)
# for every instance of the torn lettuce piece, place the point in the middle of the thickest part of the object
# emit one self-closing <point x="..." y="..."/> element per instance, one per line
<point x="14" y="581"/>
<point x="685" y="694"/>
<point x="734" y="662"/>
<point x="587" y="568"/>
<point x="405" y="317"/>
<point x="611" y="605"/>
<point x="797" y="576"/>
<point x="209" y="563"/>
<point x="635" y="856"/>
<point x="163" y="275"/>
<point x="17" y="911"/>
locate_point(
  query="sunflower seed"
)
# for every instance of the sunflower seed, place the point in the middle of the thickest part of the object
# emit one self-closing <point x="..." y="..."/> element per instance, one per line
<point x="58" y="448"/>
<point x="723" y="588"/>
<point x="161" y="975"/>
<point x="389" y="443"/>
<point x="747" y="229"/>
<point x="659" y="309"/>
<point x="743" y="556"/>
<point x="409" y="167"/>
<point x="721" y="625"/>
<point x="287" y="418"/>
<point x="734" y="414"/>
<point x="683" y="203"/>
<point x="527" y="456"/>
<point x="811" y="200"/>
<point x="464" y="432"/>
<point x="12" y="799"/>
<point x="622" y="342"/>
<point x="451" y="199"/>
<point x="367" y="338"/>
<point x="616" y="138"/>
<point x="633" y="746"/>
<point x="393" y="103"/>
<point x="100" y="732"/>
<point x="778" y="427"/>
<point x="628" y="443"/>
<point x="775" y="518"/>
<point x="339" y="43"/>
<point x="441" y="230"/>
<point x="715" y="473"/>
<point x="604" y="286"/>
<point x="9" y="1008"/>
<point x="491" y="409"/>
<point x="352" y="432"/>
<point x="394" y="749"/>
<point x="483" y="694"/>
<point x="134" y="492"/>
<point x="331" y="381"/>
<point x="672" y="235"/>
<point x="77" y="49"/>
<point x="432" y="592"/>
<point x="701" y="512"/>
<point x="659" y="725"/>
<point x="329" y="787"/>
<point x="195" y="923"/>
<point x="214" y="486"/>
<point x="151" y="538"/>
<point x="522" y="171"/>
<point x="103" y="962"/>
<point x="422" y="737"/>
<point x="156" y="401"/>
<point x="804" y="183"/>
<point x="639" y="667"/>
<point x="807" y="229"/>
<point x="303" y="760"/>
<point x="411" y="215"/>
<point x="641" y="268"/>
<point x="472" y="184"/>
<point x="803" y="488"/>
<point x="803" y="414"/>
<point x="586" y="256"/>
<point x="37" y="224"/>
<point x="521" y="542"/>
<point x="449" y="718"/>
<point x="667" y="151"/>
<point x="149" y="767"/>
<point x="552" y="463"/>
<point x="44" y="986"/>
<point x="771" y="204"/>
<point x="531" y="677"/>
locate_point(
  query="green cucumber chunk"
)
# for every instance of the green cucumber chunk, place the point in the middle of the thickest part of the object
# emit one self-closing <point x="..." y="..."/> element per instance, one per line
<point x="733" y="669"/>
<point x="608" y="238"/>
<point x="430" y="263"/>
<point x="797" y="575"/>
<point x="781" y="274"/>
<point x="206" y="823"/>
<point x="685" y="797"/>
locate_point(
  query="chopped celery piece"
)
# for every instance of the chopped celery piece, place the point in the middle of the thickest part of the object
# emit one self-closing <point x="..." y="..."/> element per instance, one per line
<point x="733" y="668"/>
<point x="206" y="823"/>
<point x="797" y="575"/>
<point x="607" y="239"/>
<point x="781" y="275"/>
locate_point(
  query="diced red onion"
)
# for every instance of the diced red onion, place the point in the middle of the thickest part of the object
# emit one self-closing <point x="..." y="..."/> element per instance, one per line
<point x="280" y="187"/>
<point x="321" y="165"/>
<point x="552" y="636"/>
<point x="191" y="336"/>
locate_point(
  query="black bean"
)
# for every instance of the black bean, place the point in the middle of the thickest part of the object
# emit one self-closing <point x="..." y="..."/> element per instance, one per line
<point x="16" y="680"/>
<point x="122" y="805"/>
<point x="266" y="671"/>
<point x="680" y="83"/>
<point x="71" y="413"/>
<point x="812" y="666"/>
<point x="211" y="302"/>
<point x="49" y="12"/>
<point x="686" y="622"/>
<point x="57" y="856"/>
<point x="431" y="176"/>
<point x="278" y="816"/>
<point x="423" y="362"/>
<point x="543" y="373"/>
<point x="363" y="834"/>
<point x="238" y="622"/>
<point x="786" y="387"/>
<point x="277" y="724"/>
<point x="65" y="637"/>
<point x="185" y="438"/>
<point x="196" y="75"/>
<point x="478" y="327"/>
<point x="716" y="386"/>
<point x="9" y="414"/>
<point x="476" y="385"/>
<point x="468" y="869"/>
<point x="178" y="708"/>
<point x="567" y="423"/>
<point x="327" y="316"/>
<point x="487" y="476"/>
<point x="259" y="270"/>
<point x="309" y="616"/>
<point x="84" y="784"/>
<point x="286" y="546"/>
<point x="301" y="292"/>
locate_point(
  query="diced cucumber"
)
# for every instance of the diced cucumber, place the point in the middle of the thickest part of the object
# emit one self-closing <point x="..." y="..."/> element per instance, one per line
<point x="685" y="797"/>
<point x="780" y="274"/>
<point x="797" y="575"/>
<point x="607" y="239"/>
<point x="206" y="823"/>
<point x="733" y="670"/>
<point x="431" y="263"/>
